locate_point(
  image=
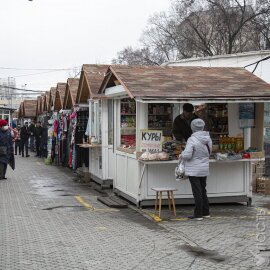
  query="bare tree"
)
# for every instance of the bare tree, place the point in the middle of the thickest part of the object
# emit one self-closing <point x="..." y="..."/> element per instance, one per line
<point x="194" y="28"/>
<point x="130" y="56"/>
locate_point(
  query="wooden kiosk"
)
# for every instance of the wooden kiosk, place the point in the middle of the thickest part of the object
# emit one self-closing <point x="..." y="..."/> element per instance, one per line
<point x="145" y="96"/>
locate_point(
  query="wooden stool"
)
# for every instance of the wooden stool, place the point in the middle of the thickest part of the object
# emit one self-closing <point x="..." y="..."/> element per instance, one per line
<point x="159" y="199"/>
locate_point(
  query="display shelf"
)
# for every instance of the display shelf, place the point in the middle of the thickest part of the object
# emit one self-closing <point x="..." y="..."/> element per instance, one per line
<point x="126" y="150"/>
<point x="167" y="114"/>
<point x="128" y="128"/>
<point x="220" y="133"/>
<point x="128" y="122"/>
<point x="210" y="160"/>
<point x="160" y="118"/>
<point x="86" y="145"/>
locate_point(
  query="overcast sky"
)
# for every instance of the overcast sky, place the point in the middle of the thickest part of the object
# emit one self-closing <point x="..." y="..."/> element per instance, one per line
<point x="52" y="34"/>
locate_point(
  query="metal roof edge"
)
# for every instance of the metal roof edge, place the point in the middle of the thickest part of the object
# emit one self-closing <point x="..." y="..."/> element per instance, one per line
<point x="195" y="59"/>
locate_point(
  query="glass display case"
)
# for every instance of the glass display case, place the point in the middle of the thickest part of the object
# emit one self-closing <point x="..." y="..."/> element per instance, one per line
<point x="96" y="122"/>
<point x="217" y="121"/>
<point x="160" y="117"/>
<point x="128" y="123"/>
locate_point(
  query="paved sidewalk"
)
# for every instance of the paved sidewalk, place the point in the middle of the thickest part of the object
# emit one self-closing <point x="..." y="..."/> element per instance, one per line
<point x="50" y="221"/>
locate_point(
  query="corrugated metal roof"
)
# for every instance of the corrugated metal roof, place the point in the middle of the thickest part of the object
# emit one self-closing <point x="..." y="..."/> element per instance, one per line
<point x="187" y="82"/>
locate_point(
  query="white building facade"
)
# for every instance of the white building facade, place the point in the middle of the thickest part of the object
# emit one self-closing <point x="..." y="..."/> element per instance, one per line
<point x="247" y="60"/>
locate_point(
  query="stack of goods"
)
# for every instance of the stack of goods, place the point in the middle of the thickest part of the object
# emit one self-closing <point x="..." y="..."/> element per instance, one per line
<point x="128" y="141"/>
<point x="160" y="117"/>
<point x="227" y="143"/>
<point x="244" y="154"/>
<point x="227" y="156"/>
<point x="128" y="123"/>
<point x="173" y="149"/>
<point x="147" y="156"/>
<point x="263" y="185"/>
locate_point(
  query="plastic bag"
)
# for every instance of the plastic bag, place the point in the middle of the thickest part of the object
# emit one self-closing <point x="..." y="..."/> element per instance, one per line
<point x="180" y="170"/>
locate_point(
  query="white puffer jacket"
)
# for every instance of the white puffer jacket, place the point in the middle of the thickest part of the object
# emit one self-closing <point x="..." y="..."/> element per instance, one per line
<point x="196" y="154"/>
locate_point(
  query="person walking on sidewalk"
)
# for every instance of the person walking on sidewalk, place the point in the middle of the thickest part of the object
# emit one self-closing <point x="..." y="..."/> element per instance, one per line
<point x="196" y="158"/>
<point x="18" y="142"/>
<point x="32" y="135"/>
<point x="25" y="138"/>
<point x="6" y="148"/>
<point x="38" y="137"/>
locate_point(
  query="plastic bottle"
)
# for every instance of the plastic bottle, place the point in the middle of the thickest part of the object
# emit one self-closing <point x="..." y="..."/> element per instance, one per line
<point x="229" y="143"/>
<point x="233" y="143"/>
<point x="225" y="143"/>
<point x="221" y="143"/>
<point x="239" y="144"/>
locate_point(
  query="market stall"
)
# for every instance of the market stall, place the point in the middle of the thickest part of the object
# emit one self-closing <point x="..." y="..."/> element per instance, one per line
<point x="51" y="135"/>
<point x="69" y="120"/>
<point x="147" y="100"/>
<point x="28" y="110"/>
<point x="44" y="119"/>
<point x="99" y="140"/>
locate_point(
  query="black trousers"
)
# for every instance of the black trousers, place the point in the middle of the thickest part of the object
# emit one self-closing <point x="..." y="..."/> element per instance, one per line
<point x="17" y="144"/>
<point x="198" y="185"/>
<point x="38" y="148"/>
<point x="3" y="170"/>
<point x="24" y="145"/>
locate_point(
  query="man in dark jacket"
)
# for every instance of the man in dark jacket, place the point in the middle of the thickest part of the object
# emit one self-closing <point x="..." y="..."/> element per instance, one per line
<point x="25" y="132"/>
<point x="6" y="148"/>
<point x="32" y="135"/>
<point x="181" y="125"/>
<point x="38" y="137"/>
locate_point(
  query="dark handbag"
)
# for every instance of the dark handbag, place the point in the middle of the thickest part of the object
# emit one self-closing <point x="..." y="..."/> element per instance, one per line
<point x="3" y="150"/>
<point x="12" y="161"/>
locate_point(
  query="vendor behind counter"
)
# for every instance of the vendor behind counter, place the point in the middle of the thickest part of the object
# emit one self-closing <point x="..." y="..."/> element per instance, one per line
<point x="181" y="125"/>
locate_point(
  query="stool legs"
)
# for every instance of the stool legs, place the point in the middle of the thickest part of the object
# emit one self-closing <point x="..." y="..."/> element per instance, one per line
<point x="169" y="200"/>
<point x="156" y="204"/>
<point x="160" y="202"/>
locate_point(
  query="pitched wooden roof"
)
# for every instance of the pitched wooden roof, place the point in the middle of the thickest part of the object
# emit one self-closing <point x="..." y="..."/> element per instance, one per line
<point x="59" y="96"/>
<point x="71" y="93"/>
<point x="51" y="98"/>
<point x="15" y="114"/>
<point x="29" y="108"/>
<point x="20" y="111"/>
<point x="186" y="83"/>
<point x="90" y="81"/>
<point x="39" y="109"/>
<point x="46" y="101"/>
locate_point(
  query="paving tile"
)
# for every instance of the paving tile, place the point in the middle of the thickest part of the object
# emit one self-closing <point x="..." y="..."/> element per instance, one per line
<point x="69" y="235"/>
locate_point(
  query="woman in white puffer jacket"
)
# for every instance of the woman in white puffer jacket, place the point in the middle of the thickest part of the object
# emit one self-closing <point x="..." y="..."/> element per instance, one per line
<point x="196" y="157"/>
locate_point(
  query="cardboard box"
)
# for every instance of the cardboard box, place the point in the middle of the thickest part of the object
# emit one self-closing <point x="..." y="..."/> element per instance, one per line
<point x="263" y="185"/>
<point x="87" y="177"/>
<point x="256" y="154"/>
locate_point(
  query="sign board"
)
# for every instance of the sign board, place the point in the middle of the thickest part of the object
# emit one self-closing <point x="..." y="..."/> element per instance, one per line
<point x="247" y="115"/>
<point x="151" y="140"/>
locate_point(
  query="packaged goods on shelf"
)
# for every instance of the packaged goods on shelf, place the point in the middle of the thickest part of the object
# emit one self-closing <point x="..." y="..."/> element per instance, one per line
<point x="128" y="123"/>
<point x="160" y="117"/>
<point x="173" y="149"/>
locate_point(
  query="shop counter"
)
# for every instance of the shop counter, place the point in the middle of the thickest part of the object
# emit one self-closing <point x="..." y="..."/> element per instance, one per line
<point x="86" y="145"/>
<point x="228" y="181"/>
<point x="101" y="164"/>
